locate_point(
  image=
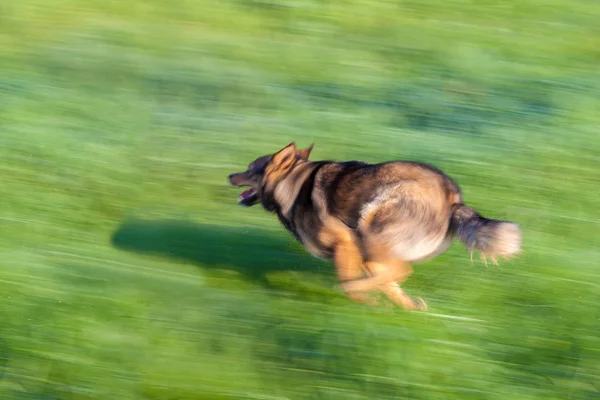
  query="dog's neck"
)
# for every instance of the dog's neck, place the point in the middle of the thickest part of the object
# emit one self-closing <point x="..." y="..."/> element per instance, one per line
<point x="288" y="188"/>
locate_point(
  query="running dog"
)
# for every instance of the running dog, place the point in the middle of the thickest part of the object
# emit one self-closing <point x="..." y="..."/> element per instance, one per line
<point x="371" y="219"/>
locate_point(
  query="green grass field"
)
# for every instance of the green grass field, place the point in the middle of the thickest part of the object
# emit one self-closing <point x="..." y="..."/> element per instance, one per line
<point x="129" y="271"/>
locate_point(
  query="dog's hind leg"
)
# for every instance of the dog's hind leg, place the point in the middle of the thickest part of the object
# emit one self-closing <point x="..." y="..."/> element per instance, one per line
<point x="400" y="271"/>
<point x="380" y="273"/>
<point x="387" y="277"/>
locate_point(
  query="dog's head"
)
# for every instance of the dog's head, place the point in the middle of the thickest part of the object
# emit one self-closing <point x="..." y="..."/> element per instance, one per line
<point x="266" y="168"/>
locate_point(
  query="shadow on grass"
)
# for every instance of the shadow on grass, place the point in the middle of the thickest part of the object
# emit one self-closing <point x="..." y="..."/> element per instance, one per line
<point x="253" y="252"/>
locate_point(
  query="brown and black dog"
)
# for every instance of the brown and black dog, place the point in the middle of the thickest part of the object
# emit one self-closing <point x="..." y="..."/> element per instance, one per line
<point x="371" y="219"/>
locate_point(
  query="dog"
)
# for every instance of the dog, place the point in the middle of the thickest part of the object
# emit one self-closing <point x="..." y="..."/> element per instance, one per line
<point x="374" y="221"/>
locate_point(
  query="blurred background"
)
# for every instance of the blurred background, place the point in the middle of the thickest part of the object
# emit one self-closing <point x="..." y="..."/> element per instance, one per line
<point x="129" y="271"/>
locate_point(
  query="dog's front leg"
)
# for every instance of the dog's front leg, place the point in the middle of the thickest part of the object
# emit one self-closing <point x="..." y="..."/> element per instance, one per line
<point x="349" y="267"/>
<point x="347" y="257"/>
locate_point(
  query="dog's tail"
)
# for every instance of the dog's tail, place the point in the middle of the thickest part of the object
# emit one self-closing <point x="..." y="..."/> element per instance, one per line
<point x="492" y="238"/>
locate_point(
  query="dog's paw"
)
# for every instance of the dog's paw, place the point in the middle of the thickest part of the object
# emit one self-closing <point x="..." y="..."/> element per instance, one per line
<point x="420" y="304"/>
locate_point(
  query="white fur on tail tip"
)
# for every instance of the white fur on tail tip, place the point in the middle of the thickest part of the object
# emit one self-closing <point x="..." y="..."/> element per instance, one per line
<point x="510" y="236"/>
<point x="503" y="240"/>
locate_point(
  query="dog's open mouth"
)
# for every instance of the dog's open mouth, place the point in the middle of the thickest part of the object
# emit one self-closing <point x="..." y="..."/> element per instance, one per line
<point x="248" y="197"/>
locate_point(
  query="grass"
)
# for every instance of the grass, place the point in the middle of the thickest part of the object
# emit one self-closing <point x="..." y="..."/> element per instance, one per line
<point x="129" y="272"/>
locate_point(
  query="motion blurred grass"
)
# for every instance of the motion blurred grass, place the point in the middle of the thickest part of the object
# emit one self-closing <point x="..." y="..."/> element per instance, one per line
<point x="129" y="272"/>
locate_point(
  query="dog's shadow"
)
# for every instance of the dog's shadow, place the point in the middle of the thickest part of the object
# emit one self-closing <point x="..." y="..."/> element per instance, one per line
<point x="252" y="252"/>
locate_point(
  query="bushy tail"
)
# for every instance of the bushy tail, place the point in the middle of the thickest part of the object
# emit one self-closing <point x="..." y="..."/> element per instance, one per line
<point x="492" y="238"/>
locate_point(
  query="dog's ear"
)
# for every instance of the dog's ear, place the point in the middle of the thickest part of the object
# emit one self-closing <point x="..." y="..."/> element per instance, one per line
<point x="286" y="156"/>
<point x="304" y="153"/>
